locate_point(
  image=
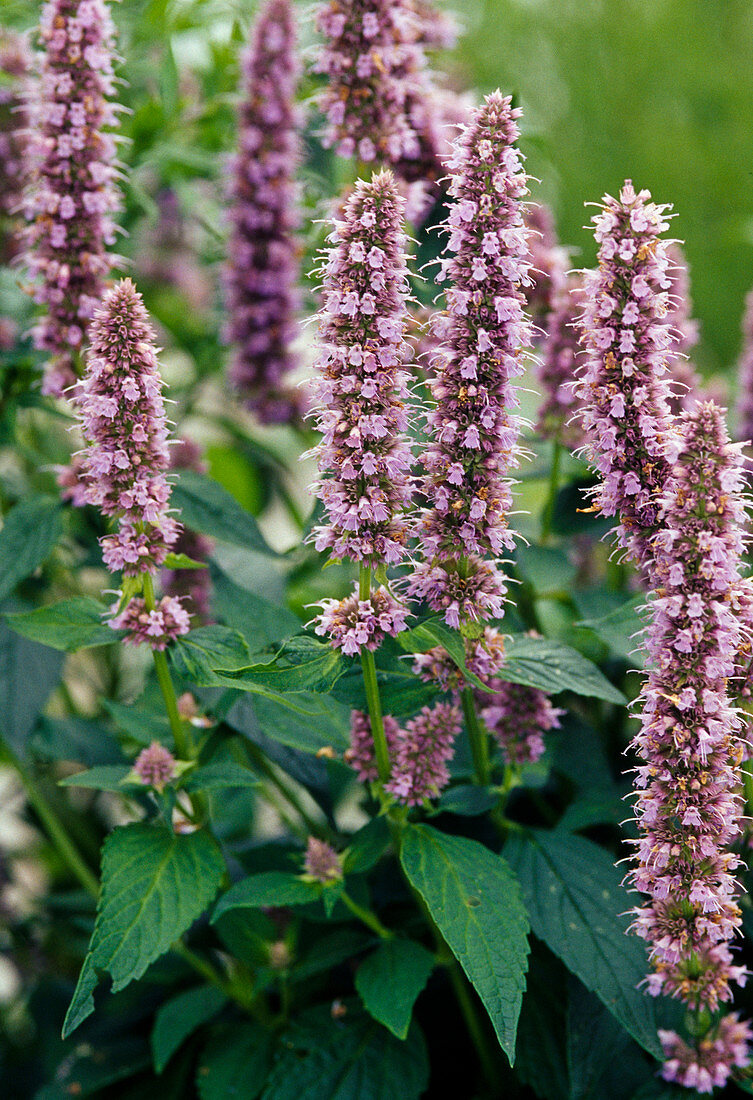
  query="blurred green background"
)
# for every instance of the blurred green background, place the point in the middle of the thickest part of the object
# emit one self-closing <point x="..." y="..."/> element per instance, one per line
<point x="657" y="90"/>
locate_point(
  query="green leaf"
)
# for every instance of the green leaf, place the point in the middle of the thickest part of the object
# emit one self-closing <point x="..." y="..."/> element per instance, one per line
<point x="29" y="533"/>
<point x="28" y="674"/>
<point x="196" y="655"/>
<point x="86" y="741"/>
<point x="105" y="777"/>
<point x="578" y="906"/>
<point x="268" y="889"/>
<point x="234" y="1064"/>
<point x="554" y="667"/>
<point x="467" y="801"/>
<point x="475" y="901"/>
<point x="261" y="622"/>
<point x="179" y="1017"/>
<point x="139" y="722"/>
<point x="182" y="561"/>
<point x="433" y="633"/>
<point x="366" y="847"/>
<point x="390" y="979"/>
<point x="620" y="629"/>
<point x="219" y="776"/>
<point x="402" y="693"/>
<point x="347" y="1059"/>
<point x="205" y="506"/>
<point x="547" y="569"/>
<point x="68" y="626"/>
<point x="317" y="723"/>
<point x="302" y="665"/>
<point x="154" y="886"/>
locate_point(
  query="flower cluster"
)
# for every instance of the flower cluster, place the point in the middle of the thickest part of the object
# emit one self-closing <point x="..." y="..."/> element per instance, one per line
<point x="192" y="585"/>
<point x="354" y="624"/>
<point x="122" y="415"/>
<point x="624" y="386"/>
<point x="321" y="862"/>
<point x="155" y="765"/>
<point x="745" y="376"/>
<point x="15" y="65"/>
<point x="361" y="755"/>
<point x="685" y="382"/>
<point x="549" y="263"/>
<point x="473" y="434"/>
<point x="484" y="657"/>
<point x="73" y="198"/>
<point x="518" y="717"/>
<point x="708" y="1065"/>
<point x="156" y="627"/>
<point x="262" y="269"/>
<point x="688" y="781"/>
<point x="557" y="416"/>
<point x="362" y="386"/>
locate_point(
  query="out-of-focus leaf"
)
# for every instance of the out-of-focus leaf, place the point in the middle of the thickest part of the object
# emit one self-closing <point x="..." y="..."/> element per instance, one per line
<point x="205" y="506"/>
<point x="180" y="1017"/>
<point x="390" y="979"/>
<point x="29" y="533"/>
<point x="68" y="626"/>
<point x="554" y="667"/>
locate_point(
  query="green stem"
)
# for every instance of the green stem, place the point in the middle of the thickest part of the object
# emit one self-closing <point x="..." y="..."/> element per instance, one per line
<point x="229" y="988"/>
<point x="478" y="737"/>
<point x="52" y="824"/>
<point x="183" y="746"/>
<point x="261" y="764"/>
<point x="554" y="484"/>
<point x="371" y="920"/>
<point x="475" y="1030"/>
<point x="372" y="691"/>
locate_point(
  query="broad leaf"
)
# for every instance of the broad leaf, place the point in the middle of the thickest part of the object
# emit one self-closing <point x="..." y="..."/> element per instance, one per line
<point x="29" y="672"/>
<point x="351" y="1058"/>
<point x="105" y="777"/>
<point x="587" y="927"/>
<point x="319" y="722"/>
<point x="474" y="899"/>
<point x="389" y="980"/>
<point x="180" y="1017"/>
<point x="621" y="629"/>
<point x="154" y="886"/>
<point x="80" y="739"/>
<point x="196" y="655"/>
<point x="219" y="776"/>
<point x="261" y="622"/>
<point x="234" y="1064"/>
<point x="29" y="533"/>
<point x="467" y="801"/>
<point x="205" y="506"/>
<point x="68" y="626"/>
<point x="182" y="561"/>
<point x="554" y="667"/>
<point x="302" y="665"/>
<point x="401" y="693"/>
<point x="140" y="722"/>
<point x="267" y="889"/>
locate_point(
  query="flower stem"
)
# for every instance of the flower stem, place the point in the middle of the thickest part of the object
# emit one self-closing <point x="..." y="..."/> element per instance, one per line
<point x="52" y="824"/>
<point x="372" y="691"/>
<point x="183" y="745"/>
<point x="371" y="920"/>
<point x="477" y="736"/>
<point x="554" y="484"/>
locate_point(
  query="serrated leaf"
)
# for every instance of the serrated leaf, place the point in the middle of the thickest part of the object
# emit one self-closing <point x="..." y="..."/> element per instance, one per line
<point x="302" y="665"/>
<point x="24" y="663"/>
<point x="554" y="667"/>
<point x="154" y="886"/>
<point x="578" y="906"/>
<point x="180" y="1017"/>
<point x="234" y="1063"/>
<point x="105" y="777"/>
<point x="389" y="981"/>
<point x="476" y="903"/>
<point x="68" y="626"/>
<point x="219" y="776"/>
<point x="620" y="629"/>
<point x="319" y="722"/>
<point x="29" y="533"/>
<point x="205" y="506"/>
<point x="261" y="622"/>
<point x="195" y="656"/>
<point x="267" y="889"/>
<point x="347" y="1059"/>
<point x="433" y="633"/>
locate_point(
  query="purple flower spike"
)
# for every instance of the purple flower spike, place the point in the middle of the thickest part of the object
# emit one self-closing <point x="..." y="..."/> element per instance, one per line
<point x="473" y="433"/>
<point x="122" y="415"/>
<point x="73" y="197"/>
<point x="15" y="66"/>
<point x="364" y="455"/>
<point x="361" y="755"/>
<point x="624" y="383"/>
<point x="549" y="263"/>
<point x="155" y="765"/>
<point x="557" y="417"/>
<point x="193" y="585"/>
<point x="518" y="717"/>
<point x="322" y="863"/>
<point x="685" y="381"/>
<point x="745" y="376"/>
<point x="708" y="1064"/>
<point x="354" y="624"/>
<point x="156" y="628"/>
<point x="421" y="752"/>
<point x="262" y="271"/>
<point x="688" y="803"/>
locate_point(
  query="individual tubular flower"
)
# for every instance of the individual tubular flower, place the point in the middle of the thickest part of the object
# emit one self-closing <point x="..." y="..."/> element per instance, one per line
<point x="745" y="376"/>
<point x="15" y="66"/>
<point x="473" y="433"/>
<point x="155" y="628"/>
<point x="72" y="197"/>
<point x="122" y="415"/>
<point x="624" y="383"/>
<point x="421" y="752"/>
<point x="687" y="807"/>
<point x="557" y="417"/>
<point x="155" y="765"/>
<point x="708" y="1065"/>
<point x="322" y="863"/>
<point x="364" y="456"/>
<point x="192" y="585"/>
<point x="262" y="270"/>
<point x="361" y="755"/>
<point x="518" y="717"/>
<point x="354" y="624"/>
